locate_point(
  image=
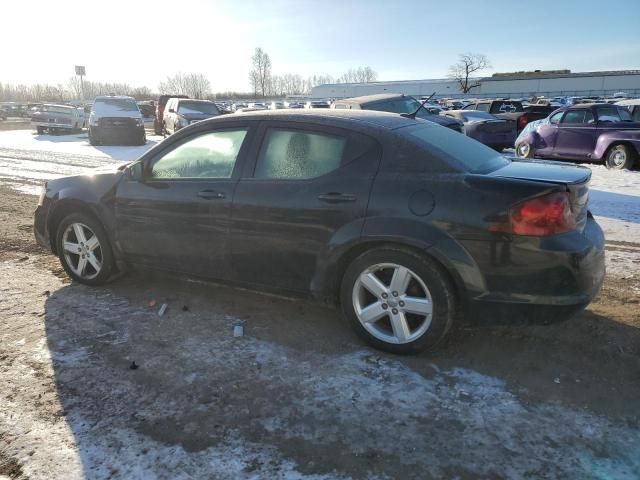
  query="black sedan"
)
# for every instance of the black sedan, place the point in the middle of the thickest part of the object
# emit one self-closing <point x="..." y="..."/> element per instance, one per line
<point x="497" y="133"/>
<point x="405" y="223"/>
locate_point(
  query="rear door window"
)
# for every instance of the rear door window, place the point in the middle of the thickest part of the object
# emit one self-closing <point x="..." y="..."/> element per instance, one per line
<point x="555" y="118"/>
<point x="483" y="107"/>
<point x="298" y="154"/>
<point x="608" y="114"/>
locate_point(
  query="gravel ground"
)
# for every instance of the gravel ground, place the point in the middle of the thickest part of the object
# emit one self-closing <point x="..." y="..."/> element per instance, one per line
<point x="298" y="396"/>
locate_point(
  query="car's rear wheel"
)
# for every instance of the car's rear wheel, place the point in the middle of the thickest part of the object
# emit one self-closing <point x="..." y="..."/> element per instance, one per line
<point x="397" y="300"/>
<point x="620" y="157"/>
<point x="84" y="249"/>
<point x="524" y="150"/>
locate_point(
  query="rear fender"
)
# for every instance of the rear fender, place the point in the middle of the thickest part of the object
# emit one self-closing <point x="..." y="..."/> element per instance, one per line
<point x="627" y="137"/>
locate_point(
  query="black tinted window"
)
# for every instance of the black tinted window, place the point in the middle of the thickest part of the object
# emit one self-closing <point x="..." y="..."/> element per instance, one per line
<point x="458" y="151"/>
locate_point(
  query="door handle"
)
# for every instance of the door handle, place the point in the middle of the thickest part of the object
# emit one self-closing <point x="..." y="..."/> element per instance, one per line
<point x="337" y="197"/>
<point x="210" y="194"/>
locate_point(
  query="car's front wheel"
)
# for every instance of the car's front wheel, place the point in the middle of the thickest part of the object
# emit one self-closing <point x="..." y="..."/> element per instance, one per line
<point x="397" y="300"/>
<point x="524" y="150"/>
<point x="84" y="249"/>
<point x="620" y="157"/>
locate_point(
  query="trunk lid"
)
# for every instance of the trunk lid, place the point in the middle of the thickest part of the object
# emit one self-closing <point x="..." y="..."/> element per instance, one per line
<point x="575" y="179"/>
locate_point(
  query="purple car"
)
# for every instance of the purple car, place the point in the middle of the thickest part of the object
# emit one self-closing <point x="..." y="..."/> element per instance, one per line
<point x="597" y="132"/>
<point x="497" y="133"/>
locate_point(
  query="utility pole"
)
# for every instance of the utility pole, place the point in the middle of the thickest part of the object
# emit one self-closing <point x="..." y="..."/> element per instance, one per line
<point x="81" y="72"/>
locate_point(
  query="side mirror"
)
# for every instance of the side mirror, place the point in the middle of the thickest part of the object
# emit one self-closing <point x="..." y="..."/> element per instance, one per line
<point x="171" y="110"/>
<point x="134" y="171"/>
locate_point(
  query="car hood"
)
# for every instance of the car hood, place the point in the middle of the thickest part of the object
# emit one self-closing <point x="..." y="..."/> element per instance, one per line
<point x="544" y="171"/>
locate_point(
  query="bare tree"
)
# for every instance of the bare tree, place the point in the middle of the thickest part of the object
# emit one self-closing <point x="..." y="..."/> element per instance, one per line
<point x="194" y="85"/>
<point x="260" y="74"/>
<point x="358" y="75"/>
<point x="467" y="65"/>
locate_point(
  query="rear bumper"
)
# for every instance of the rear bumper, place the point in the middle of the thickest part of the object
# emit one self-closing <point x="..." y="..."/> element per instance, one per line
<point x="541" y="279"/>
<point x="52" y="125"/>
<point x="40" y="228"/>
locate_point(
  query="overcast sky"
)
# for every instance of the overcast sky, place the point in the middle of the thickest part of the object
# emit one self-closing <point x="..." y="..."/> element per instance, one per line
<point x="141" y="42"/>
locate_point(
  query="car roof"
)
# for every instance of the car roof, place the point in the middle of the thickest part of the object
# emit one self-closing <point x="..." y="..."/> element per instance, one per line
<point x="371" y="98"/>
<point x="632" y="101"/>
<point x="194" y="100"/>
<point x="339" y="118"/>
<point x="587" y="105"/>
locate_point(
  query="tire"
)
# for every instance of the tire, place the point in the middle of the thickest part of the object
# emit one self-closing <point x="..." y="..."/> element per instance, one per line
<point x="620" y="157"/>
<point x="524" y="150"/>
<point x="394" y="324"/>
<point x="84" y="269"/>
<point x="157" y="128"/>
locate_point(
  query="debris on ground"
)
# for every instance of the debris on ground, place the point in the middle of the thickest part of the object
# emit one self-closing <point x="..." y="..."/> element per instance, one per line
<point x="152" y="303"/>
<point x="163" y="309"/>
<point x="133" y="366"/>
<point x="238" y="331"/>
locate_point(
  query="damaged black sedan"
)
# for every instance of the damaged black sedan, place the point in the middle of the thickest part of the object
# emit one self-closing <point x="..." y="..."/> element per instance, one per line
<point x="406" y="224"/>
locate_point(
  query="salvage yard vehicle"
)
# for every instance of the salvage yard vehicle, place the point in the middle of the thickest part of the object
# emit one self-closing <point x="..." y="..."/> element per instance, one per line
<point x="158" y="122"/>
<point x="58" y="118"/>
<point x="405" y="224"/>
<point x="633" y="106"/>
<point x="597" y="132"/>
<point x="497" y="133"/>
<point x="509" y="110"/>
<point x="114" y="120"/>
<point x="180" y="112"/>
<point x="396" y="103"/>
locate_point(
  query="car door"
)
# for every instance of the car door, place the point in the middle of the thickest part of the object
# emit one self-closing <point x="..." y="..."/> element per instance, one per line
<point x="177" y="215"/>
<point x="547" y="133"/>
<point x="307" y="186"/>
<point x="577" y="135"/>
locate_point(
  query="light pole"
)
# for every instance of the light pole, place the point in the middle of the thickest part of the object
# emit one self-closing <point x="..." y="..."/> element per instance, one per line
<point x="81" y="72"/>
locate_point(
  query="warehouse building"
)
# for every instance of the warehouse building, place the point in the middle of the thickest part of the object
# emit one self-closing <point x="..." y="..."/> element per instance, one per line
<point x="513" y="85"/>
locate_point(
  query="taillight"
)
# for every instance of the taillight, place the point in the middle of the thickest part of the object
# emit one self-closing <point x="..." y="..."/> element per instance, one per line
<point x="540" y="217"/>
<point x="522" y="121"/>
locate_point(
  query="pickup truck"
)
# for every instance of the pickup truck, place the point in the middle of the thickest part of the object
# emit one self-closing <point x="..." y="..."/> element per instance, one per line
<point x="508" y="110"/>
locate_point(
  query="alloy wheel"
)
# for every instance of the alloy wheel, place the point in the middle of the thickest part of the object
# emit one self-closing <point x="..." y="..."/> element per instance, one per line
<point x="82" y="251"/>
<point x="392" y="303"/>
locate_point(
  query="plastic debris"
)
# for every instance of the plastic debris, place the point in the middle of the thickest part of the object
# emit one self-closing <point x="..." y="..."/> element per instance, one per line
<point x="238" y="331"/>
<point x="133" y="366"/>
<point x="163" y="309"/>
<point x="556" y="380"/>
<point x="185" y="308"/>
<point x="152" y="303"/>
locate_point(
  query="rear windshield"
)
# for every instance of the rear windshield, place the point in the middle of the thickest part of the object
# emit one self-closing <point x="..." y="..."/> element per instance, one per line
<point x="506" y="107"/>
<point x="456" y="149"/>
<point x="57" y="109"/>
<point x="198" y="107"/>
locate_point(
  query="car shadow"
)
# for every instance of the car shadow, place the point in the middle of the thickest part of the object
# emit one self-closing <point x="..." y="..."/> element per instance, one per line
<point x="615" y="205"/>
<point x="136" y="387"/>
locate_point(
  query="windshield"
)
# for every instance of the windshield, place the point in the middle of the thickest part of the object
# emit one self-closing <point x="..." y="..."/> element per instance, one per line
<point x="401" y="105"/>
<point x="115" y="105"/>
<point x="477" y="116"/>
<point x="198" y="108"/>
<point x="457" y="150"/>
<point x="57" y="109"/>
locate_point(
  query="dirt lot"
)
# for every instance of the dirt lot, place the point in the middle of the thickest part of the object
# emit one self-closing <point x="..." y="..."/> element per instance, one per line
<point x="298" y="396"/>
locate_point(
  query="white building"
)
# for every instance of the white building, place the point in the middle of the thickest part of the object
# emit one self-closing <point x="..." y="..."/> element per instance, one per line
<point x="526" y="84"/>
